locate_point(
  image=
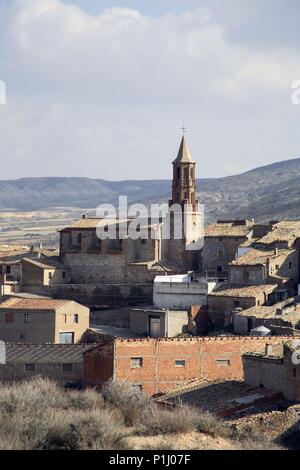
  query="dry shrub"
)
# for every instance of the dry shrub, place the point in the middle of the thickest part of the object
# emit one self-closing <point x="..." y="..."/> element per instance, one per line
<point x="40" y="415"/>
<point x="182" y="419"/>
<point x="129" y="400"/>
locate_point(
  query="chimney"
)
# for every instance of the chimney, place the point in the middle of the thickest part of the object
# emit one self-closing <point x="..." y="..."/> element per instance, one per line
<point x="268" y="350"/>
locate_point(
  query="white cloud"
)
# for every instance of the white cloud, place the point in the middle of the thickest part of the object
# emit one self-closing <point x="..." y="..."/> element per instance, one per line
<point x="105" y="95"/>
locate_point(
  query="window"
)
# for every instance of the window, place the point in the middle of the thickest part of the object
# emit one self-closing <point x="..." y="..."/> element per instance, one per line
<point x="22" y="337"/>
<point x="64" y="275"/>
<point x="219" y="269"/>
<point x="49" y="276"/>
<point x="220" y="239"/>
<point x="294" y="372"/>
<point x="138" y="386"/>
<point x="65" y="318"/>
<point x="8" y="270"/>
<point x="76" y="318"/>
<point x="136" y="362"/>
<point x="26" y="317"/>
<point x="143" y="241"/>
<point x="66" y="338"/>
<point x="223" y="362"/>
<point x="67" y="367"/>
<point x="29" y="367"/>
<point x="220" y="254"/>
<point x="236" y="303"/>
<point x="9" y="318"/>
<point x="290" y="265"/>
<point x="277" y="267"/>
<point x="180" y="363"/>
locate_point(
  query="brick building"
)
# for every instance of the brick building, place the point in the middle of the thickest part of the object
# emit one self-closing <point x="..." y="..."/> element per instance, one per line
<point x="157" y="365"/>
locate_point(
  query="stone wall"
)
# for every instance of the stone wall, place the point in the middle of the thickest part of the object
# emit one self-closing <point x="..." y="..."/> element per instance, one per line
<point x="219" y="252"/>
<point x="103" y="294"/>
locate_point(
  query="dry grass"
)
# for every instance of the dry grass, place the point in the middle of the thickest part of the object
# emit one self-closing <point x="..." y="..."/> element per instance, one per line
<point x="40" y="415"/>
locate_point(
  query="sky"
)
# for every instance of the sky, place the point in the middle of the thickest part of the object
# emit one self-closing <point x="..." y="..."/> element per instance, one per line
<point x="101" y="89"/>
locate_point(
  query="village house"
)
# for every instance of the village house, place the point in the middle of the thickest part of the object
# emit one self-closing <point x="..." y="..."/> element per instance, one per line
<point x="62" y="363"/>
<point x="227" y="298"/>
<point x="37" y="320"/>
<point x="257" y="266"/>
<point x="275" y="368"/>
<point x="281" y="318"/>
<point x="38" y="274"/>
<point x="157" y="365"/>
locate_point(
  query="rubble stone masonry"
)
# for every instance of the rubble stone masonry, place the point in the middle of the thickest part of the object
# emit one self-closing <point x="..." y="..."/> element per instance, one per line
<point x="157" y="365"/>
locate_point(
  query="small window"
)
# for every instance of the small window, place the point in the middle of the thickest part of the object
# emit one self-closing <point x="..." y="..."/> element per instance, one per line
<point x="294" y="372"/>
<point x="50" y="276"/>
<point x="223" y="362"/>
<point x="9" y="318"/>
<point x="22" y="337"/>
<point x="67" y="367"/>
<point x="277" y="267"/>
<point x="26" y="317"/>
<point x="29" y="367"/>
<point x="76" y="318"/>
<point x="138" y="386"/>
<point x="65" y="318"/>
<point x="64" y="275"/>
<point x="220" y="239"/>
<point x="8" y="270"/>
<point x="143" y="241"/>
<point x="136" y="362"/>
<point x="236" y="303"/>
<point x="180" y="363"/>
<point x="290" y="265"/>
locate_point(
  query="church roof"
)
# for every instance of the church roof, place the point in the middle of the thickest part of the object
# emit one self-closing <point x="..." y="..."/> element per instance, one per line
<point x="184" y="154"/>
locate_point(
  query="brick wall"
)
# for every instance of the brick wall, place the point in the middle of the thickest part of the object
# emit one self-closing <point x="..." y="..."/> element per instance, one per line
<point x="205" y="358"/>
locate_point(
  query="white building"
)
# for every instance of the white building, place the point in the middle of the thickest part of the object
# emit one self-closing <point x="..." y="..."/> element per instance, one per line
<point x="181" y="291"/>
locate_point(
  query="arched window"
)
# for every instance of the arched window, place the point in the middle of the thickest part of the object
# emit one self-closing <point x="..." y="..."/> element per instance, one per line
<point x="178" y="172"/>
<point x="186" y="173"/>
<point x="193" y="172"/>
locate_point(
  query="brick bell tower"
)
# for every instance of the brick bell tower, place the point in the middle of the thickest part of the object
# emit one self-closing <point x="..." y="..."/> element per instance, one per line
<point x="184" y="183"/>
<point x="185" y="249"/>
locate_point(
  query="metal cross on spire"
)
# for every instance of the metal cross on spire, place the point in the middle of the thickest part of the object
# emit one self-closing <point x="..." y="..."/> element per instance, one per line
<point x="183" y="129"/>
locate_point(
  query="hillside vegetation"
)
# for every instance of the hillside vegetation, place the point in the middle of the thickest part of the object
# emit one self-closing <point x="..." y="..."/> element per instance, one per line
<point x="269" y="192"/>
<point x="39" y="415"/>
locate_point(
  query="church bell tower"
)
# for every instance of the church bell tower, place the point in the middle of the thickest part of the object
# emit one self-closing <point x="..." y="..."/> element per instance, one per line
<point x="184" y="248"/>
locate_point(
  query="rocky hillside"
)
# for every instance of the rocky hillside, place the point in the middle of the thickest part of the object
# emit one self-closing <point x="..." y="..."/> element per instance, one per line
<point x="268" y="192"/>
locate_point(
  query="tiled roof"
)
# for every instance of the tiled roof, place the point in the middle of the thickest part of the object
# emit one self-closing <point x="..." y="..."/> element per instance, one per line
<point x="259" y="257"/>
<point x="248" y="291"/>
<point x="279" y="235"/>
<point x="96" y="222"/>
<point x="46" y="263"/>
<point x="46" y="353"/>
<point x="34" y="304"/>
<point x="227" y="230"/>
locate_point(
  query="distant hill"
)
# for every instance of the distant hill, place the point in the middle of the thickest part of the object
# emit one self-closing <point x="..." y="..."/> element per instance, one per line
<point x="269" y="192"/>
